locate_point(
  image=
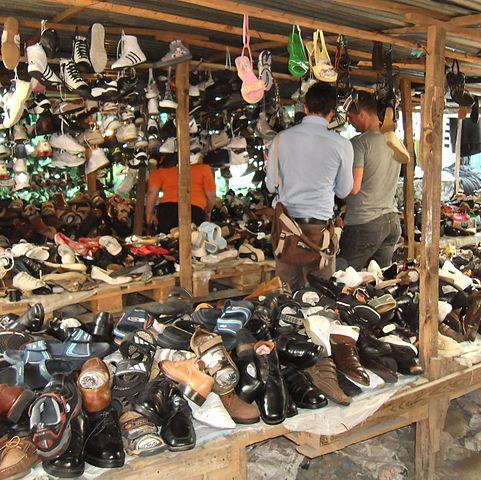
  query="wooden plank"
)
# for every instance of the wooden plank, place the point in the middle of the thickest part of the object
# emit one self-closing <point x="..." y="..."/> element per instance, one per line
<point x="183" y="144"/>
<point x="431" y="138"/>
<point x="467" y="20"/>
<point x="408" y="169"/>
<point x="140" y="200"/>
<point x="67" y="14"/>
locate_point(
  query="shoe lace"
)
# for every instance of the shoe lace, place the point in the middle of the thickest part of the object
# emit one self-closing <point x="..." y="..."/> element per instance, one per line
<point x="80" y="46"/>
<point x="73" y="72"/>
<point x="14" y="442"/>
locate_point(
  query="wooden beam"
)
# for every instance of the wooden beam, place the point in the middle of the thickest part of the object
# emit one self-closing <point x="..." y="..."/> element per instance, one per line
<point x="408" y="169"/>
<point x="467" y="20"/>
<point x="395" y="7"/>
<point x="404" y="30"/>
<point x="183" y="145"/>
<point x="432" y="144"/>
<point x="67" y="14"/>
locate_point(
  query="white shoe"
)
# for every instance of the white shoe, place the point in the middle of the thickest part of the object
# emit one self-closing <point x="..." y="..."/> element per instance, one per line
<point x="22" y="181"/>
<point x="212" y="412"/>
<point x="72" y="79"/>
<point x="131" y="53"/>
<point x="375" y="269"/>
<point x="62" y="158"/>
<point x="127" y="133"/>
<point x="103" y="276"/>
<point x="318" y="327"/>
<point x="349" y="277"/>
<point x="110" y="244"/>
<point x="39" y="68"/>
<point x="74" y="267"/>
<point x="219" y="257"/>
<point x="14" y="103"/>
<point x="110" y="124"/>
<point x="153" y="106"/>
<point x="168" y="99"/>
<point x="25" y="282"/>
<point x="98" y="54"/>
<point x="451" y="274"/>
<point x="127" y="183"/>
<point x="448" y="347"/>
<point x="444" y="309"/>
<point x="80" y="54"/>
<point x="31" y="251"/>
<point x="151" y="91"/>
<point x="20" y="165"/>
<point x="169" y="146"/>
<point x="67" y="255"/>
<point x="96" y="161"/>
<point x="198" y="244"/>
<point x="64" y="141"/>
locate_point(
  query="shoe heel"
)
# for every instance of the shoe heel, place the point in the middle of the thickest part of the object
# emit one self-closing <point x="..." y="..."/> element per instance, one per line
<point x="197" y="398"/>
<point x="22" y="403"/>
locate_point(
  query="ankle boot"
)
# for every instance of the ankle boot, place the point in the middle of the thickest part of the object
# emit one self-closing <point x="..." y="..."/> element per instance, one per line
<point x="272" y="398"/>
<point x="71" y="463"/>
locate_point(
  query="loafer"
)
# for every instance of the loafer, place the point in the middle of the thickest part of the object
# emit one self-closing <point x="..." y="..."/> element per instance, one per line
<point x="296" y="350"/>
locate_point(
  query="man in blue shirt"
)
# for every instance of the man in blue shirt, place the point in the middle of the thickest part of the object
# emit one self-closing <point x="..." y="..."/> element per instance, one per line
<point x="315" y="164"/>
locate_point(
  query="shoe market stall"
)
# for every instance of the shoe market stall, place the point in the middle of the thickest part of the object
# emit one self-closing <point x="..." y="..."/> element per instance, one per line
<point x="424" y="40"/>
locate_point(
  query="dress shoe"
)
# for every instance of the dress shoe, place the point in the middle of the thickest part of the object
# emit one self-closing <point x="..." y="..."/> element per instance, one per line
<point x="302" y="390"/>
<point x="249" y="384"/>
<point x="379" y="369"/>
<point x="162" y="402"/>
<point x="94" y="385"/>
<point x="349" y="388"/>
<point x="296" y="350"/>
<point x="104" y="447"/>
<point x="346" y="358"/>
<point x="213" y="413"/>
<point x="51" y="414"/>
<point x="71" y="463"/>
<point x="370" y="346"/>
<point x="241" y="412"/>
<point x="17" y="457"/>
<point x="193" y="383"/>
<point x="272" y="396"/>
<point x="323" y="375"/>
<point x="14" y="401"/>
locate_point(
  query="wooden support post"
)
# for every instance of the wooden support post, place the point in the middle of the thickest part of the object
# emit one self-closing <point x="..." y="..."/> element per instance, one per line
<point x="457" y="149"/>
<point x="183" y="145"/>
<point x="92" y="183"/>
<point x="140" y="200"/>
<point x="427" y="431"/>
<point x="408" y="169"/>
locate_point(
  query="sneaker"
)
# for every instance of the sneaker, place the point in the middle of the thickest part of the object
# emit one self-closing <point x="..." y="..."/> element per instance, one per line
<point x="80" y="53"/>
<point x="131" y="53"/>
<point x="110" y="107"/>
<point x="68" y="108"/>
<point x="93" y="137"/>
<point x="139" y="158"/>
<point x="26" y="282"/>
<point x="14" y="106"/>
<point x="39" y="68"/>
<point x="169" y="146"/>
<point x="19" y="133"/>
<point x="64" y="141"/>
<point x="41" y="104"/>
<point x="153" y="106"/>
<point x="72" y="79"/>
<point x="128" y="115"/>
<point x="127" y="133"/>
<point x="104" y="89"/>
<point x="151" y="91"/>
<point x="96" y="161"/>
<point x="110" y="124"/>
<point x="62" y="158"/>
<point x="50" y="42"/>
<point x="10" y="43"/>
<point x="20" y="165"/>
<point x="98" y="54"/>
<point x="177" y="53"/>
<point x="168" y="99"/>
<point x="152" y="126"/>
<point x="5" y="152"/>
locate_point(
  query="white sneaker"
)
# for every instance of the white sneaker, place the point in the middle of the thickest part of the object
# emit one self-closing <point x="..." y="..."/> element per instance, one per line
<point x="98" y="54"/>
<point x="237" y="143"/>
<point x="29" y="250"/>
<point x="64" y="141"/>
<point x="67" y="255"/>
<point x="375" y="269"/>
<point x="127" y="183"/>
<point x="349" y="277"/>
<point x="14" y="104"/>
<point x="25" y="282"/>
<point x="448" y="347"/>
<point x="110" y="244"/>
<point x="212" y="412"/>
<point x="169" y="146"/>
<point x="131" y="53"/>
<point x="127" y="133"/>
<point x="80" y="54"/>
<point x="102" y="275"/>
<point x="20" y="165"/>
<point x="452" y="275"/>
<point x="72" y="79"/>
<point x="318" y="327"/>
<point x="22" y="181"/>
<point x="444" y="309"/>
<point x="110" y="124"/>
<point x="96" y="160"/>
<point x="153" y="106"/>
<point x="62" y="158"/>
<point x="168" y="99"/>
<point x="39" y="68"/>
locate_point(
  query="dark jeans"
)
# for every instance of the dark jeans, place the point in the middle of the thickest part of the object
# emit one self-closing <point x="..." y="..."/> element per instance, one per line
<point x="374" y="240"/>
<point x="168" y="215"/>
<point x="296" y="276"/>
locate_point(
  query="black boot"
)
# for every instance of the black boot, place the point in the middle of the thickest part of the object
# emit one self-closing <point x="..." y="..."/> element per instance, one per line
<point x="31" y="320"/>
<point x="103" y="326"/>
<point x="104" y="447"/>
<point x="272" y="395"/>
<point x="71" y="463"/>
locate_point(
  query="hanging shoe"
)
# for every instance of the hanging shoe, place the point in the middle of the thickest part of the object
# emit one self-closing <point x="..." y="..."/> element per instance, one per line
<point x="131" y="53"/>
<point x="72" y="79"/>
<point x="98" y="54"/>
<point x="14" y="106"/>
<point x="104" y="89"/>
<point x="96" y="161"/>
<point x="39" y="68"/>
<point x="177" y="53"/>
<point x="10" y="44"/>
<point x="80" y="53"/>
<point x="168" y="100"/>
<point x="50" y="42"/>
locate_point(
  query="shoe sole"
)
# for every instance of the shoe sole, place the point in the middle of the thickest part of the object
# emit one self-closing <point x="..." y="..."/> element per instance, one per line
<point x="243" y="421"/>
<point x="97" y="462"/>
<point x="22" y="402"/>
<point x="169" y="63"/>
<point x="63" y="472"/>
<point x="99" y="57"/>
<point x="181" y="449"/>
<point x="10" y="51"/>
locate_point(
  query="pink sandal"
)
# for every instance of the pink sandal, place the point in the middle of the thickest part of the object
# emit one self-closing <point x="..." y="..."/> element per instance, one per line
<point x="252" y="89"/>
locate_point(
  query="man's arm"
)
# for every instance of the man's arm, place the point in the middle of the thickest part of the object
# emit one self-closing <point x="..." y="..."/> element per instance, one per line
<point x="344" y="181"/>
<point x="208" y="183"/>
<point x="211" y="197"/>
<point x="357" y="174"/>
<point x="270" y="169"/>
<point x="150" y="203"/>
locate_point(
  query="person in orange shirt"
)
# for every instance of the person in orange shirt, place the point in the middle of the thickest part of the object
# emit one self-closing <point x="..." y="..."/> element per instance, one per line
<point x="166" y="180"/>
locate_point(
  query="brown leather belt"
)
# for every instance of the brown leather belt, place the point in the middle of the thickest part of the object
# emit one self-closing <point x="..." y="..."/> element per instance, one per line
<point x="311" y="221"/>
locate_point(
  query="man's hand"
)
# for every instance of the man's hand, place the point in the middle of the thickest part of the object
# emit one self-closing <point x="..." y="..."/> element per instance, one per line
<point x="152" y="218"/>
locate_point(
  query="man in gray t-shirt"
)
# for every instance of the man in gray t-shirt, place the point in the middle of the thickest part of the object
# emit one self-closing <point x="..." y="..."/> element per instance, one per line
<point x="372" y="226"/>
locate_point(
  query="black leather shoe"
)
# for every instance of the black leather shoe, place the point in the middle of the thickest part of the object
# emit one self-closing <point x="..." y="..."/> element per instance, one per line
<point x="370" y="346"/>
<point x="103" y="326"/>
<point x="349" y="388"/>
<point x="248" y="385"/>
<point x="301" y="389"/>
<point x="296" y="350"/>
<point x="71" y="463"/>
<point x="272" y="394"/>
<point x="150" y="403"/>
<point x="104" y="447"/>
<point x="31" y="320"/>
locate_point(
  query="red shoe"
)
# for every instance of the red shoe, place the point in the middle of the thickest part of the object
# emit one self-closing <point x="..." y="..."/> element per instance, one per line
<point x="92" y="244"/>
<point x="145" y="250"/>
<point x="78" y="248"/>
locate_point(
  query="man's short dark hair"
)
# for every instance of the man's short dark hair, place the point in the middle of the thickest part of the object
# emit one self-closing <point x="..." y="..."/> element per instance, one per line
<point x="321" y="98"/>
<point x="365" y="101"/>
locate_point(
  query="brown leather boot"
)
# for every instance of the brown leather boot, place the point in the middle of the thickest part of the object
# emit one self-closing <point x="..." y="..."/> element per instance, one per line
<point x="14" y="401"/>
<point x="241" y="412"/>
<point x="193" y="383"/>
<point x="94" y="385"/>
<point x="17" y="456"/>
